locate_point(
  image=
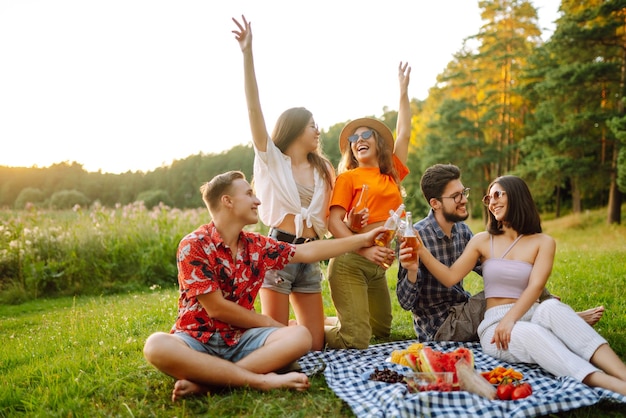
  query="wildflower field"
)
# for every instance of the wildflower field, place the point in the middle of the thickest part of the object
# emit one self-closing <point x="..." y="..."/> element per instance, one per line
<point x="90" y="251"/>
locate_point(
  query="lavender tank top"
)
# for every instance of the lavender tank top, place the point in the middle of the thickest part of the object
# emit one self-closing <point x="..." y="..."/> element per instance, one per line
<point x="505" y="278"/>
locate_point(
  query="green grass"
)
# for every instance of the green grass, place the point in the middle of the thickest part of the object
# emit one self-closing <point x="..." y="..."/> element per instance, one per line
<point x="83" y="356"/>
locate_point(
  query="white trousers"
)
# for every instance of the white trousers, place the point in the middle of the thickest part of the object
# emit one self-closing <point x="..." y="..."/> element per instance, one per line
<point x="550" y="335"/>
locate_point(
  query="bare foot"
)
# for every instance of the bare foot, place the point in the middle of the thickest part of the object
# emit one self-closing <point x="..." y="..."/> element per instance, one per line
<point x="293" y="380"/>
<point x="593" y="315"/>
<point x="184" y="388"/>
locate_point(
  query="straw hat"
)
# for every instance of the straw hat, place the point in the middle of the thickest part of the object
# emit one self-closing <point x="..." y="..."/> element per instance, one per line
<point x="371" y="123"/>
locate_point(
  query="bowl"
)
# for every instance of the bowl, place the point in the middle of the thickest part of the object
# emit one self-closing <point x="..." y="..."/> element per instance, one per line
<point x="424" y="381"/>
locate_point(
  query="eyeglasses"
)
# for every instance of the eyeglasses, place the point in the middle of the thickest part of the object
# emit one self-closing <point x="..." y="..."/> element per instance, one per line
<point x="458" y="197"/>
<point x="496" y="195"/>
<point x="365" y="135"/>
<point x="314" y="126"/>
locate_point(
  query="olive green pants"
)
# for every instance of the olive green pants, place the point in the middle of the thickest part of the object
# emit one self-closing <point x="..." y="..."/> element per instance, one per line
<point x="360" y="294"/>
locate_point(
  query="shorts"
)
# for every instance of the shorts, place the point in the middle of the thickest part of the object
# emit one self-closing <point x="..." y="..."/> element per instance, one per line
<point x="250" y="341"/>
<point x="295" y="277"/>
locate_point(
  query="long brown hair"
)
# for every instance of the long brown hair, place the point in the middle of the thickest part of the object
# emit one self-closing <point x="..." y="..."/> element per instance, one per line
<point x="521" y="214"/>
<point x="289" y="126"/>
<point x="385" y="158"/>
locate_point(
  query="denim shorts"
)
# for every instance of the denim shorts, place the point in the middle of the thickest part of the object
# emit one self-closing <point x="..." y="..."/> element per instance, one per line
<point x="250" y="341"/>
<point x="295" y="277"/>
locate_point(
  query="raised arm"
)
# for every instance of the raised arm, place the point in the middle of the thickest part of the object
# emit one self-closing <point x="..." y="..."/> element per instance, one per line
<point x="403" y="125"/>
<point x="448" y="276"/>
<point x="255" y="114"/>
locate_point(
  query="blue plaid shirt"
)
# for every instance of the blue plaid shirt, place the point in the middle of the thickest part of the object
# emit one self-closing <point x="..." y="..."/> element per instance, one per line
<point x="427" y="299"/>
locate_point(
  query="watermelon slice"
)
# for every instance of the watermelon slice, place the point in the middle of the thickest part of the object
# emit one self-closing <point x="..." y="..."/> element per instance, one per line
<point x="463" y="353"/>
<point x="413" y="361"/>
<point x="436" y="361"/>
<point x="431" y="360"/>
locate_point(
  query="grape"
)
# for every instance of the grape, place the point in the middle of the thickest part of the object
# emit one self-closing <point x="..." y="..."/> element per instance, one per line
<point x="386" y="375"/>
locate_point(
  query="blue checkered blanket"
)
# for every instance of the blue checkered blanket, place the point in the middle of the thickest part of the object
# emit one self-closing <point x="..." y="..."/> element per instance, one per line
<point x="346" y="374"/>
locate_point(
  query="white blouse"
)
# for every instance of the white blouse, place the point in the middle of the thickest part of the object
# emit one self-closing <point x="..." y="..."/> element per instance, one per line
<point x="276" y="188"/>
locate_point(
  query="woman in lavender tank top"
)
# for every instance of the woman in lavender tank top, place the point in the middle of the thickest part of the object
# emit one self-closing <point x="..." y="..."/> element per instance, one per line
<point x="517" y="259"/>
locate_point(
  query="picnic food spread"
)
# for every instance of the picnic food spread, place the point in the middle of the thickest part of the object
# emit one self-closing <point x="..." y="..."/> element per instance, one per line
<point x="348" y="376"/>
<point x="435" y="361"/>
<point x="509" y="383"/>
<point x="432" y="368"/>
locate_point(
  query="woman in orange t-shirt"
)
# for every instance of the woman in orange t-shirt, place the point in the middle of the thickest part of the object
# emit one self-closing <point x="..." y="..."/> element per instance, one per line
<point x="358" y="283"/>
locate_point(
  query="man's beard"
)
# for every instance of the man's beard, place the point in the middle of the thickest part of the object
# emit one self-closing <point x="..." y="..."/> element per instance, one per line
<point x="453" y="217"/>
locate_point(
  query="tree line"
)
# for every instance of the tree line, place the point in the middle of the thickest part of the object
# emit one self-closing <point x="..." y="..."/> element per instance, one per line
<point x="551" y="112"/>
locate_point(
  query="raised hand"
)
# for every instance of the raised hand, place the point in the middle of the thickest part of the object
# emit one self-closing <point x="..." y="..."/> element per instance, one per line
<point x="404" y="73"/>
<point x="244" y="34"/>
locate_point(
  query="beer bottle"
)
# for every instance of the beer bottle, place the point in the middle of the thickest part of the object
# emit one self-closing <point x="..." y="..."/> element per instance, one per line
<point x="359" y="210"/>
<point x="391" y="225"/>
<point x="410" y="236"/>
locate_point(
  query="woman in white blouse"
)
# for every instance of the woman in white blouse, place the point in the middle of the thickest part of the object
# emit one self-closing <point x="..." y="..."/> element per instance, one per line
<point x="294" y="181"/>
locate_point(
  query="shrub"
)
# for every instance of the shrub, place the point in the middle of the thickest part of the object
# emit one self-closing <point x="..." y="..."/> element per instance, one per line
<point x="152" y="198"/>
<point x="29" y="195"/>
<point x="67" y="199"/>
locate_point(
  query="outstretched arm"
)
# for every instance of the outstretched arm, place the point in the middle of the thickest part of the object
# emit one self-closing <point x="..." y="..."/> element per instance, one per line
<point x="403" y="125"/>
<point x="383" y="256"/>
<point x="255" y="114"/>
<point x="448" y="276"/>
<point x="319" y="250"/>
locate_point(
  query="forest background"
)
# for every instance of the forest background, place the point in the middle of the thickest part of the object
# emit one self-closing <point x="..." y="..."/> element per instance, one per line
<point x="551" y="112"/>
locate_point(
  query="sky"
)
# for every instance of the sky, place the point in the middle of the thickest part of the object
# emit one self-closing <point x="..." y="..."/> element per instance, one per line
<point x="132" y="85"/>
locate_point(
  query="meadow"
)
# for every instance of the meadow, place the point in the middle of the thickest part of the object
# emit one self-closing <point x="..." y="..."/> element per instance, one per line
<point x="63" y="355"/>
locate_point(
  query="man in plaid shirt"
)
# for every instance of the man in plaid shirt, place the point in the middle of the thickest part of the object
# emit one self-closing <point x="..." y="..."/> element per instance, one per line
<point x="441" y="313"/>
<point x="445" y="235"/>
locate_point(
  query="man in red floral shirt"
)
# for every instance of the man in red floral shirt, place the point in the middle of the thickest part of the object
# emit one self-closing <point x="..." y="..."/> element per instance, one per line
<point x="218" y="338"/>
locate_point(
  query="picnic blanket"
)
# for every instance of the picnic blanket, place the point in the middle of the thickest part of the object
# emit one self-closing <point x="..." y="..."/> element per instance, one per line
<point x="346" y="373"/>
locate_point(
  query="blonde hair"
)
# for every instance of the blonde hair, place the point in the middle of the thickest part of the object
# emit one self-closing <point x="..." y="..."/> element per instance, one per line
<point x="220" y="185"/>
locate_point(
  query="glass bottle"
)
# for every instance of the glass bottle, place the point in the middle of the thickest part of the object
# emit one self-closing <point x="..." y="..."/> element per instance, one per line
<point x="359" y="210"/>
<point x="391" y="225"/>
<point x="410" y="236"/>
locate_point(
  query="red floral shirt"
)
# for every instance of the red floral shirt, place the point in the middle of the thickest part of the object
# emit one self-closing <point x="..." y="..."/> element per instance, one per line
<point x="205" y="265"/>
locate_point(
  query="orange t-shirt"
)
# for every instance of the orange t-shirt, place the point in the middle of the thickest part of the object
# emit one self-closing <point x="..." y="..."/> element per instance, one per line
<point x="383" y="194"/>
